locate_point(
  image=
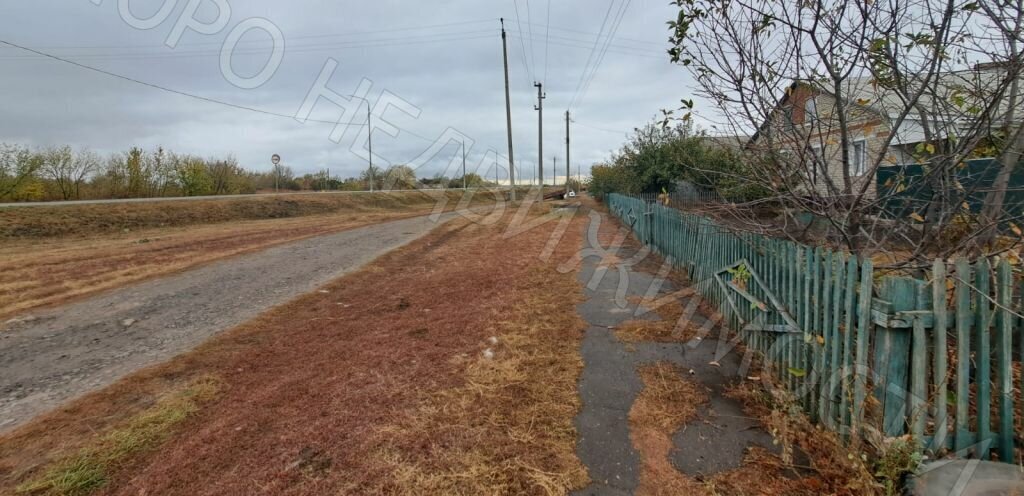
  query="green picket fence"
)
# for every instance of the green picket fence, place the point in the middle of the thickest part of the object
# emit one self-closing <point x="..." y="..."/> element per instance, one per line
<point x="890" y="354"/>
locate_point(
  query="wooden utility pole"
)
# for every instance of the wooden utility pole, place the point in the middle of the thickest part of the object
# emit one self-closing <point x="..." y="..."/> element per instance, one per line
<point x="463" y="165"/>
<point x="567" y="160"/>
<point x="369" y="142"/>
<point x="540" y="133"/>
<point x="508" y="114"/>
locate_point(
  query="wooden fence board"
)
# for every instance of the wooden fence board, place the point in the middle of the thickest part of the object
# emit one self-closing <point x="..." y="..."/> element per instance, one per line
<point x="834" y="345"/>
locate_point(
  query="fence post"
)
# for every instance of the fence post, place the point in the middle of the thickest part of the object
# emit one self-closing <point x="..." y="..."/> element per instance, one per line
<point x="918" y="411"/>
<point x="939" y="373"/>
<point x="846" y="409"/>
<point x="864" y="326"/>
<point x="983" y="357"/>
<point x="1004" y="350"/>
<point x="963" y="354"/>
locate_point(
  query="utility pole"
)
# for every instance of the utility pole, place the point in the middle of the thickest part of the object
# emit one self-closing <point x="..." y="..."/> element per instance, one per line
<point x="554" y="169"/>
<point x="508" y="114"/>
<point x="540" y="132"/>
<point x="567" y="160"/>
<point x="463" y="165"/>
<point x="369" y="143"/>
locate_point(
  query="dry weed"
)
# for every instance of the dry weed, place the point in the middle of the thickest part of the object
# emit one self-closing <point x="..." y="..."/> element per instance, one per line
<point x="667" y="402"/>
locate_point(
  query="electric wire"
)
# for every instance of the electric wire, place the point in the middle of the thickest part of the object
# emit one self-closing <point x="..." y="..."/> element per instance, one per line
<point x="191" y="95"/>
<point x="593" y="50"/>
<point x="604" y="52"/>
<point x="522" y="44"/>
<point x="311" y="48"/>
<point x="547" y="41"/>
<point x="529" y="26"/>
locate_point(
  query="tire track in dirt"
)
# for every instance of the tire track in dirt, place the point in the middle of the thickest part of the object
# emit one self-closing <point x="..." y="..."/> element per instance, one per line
<point x="64" y="352"/>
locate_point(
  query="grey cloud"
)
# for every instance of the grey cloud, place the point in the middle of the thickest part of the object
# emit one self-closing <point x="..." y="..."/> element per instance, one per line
<point x="456" y="84"/>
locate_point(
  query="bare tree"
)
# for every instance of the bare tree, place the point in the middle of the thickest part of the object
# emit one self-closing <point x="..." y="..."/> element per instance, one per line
<point x="1005" y="18"/>
<point x="831" y="91"/>
<point x="86" y="164"/>
<point x="399" y="177"/>
<point x="68" y="170"/>
<point x="225" y="175"/>
<point x="373" y="177"/>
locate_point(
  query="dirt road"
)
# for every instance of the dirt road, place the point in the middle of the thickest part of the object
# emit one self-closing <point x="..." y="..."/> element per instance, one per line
<point x="52" y="356"/>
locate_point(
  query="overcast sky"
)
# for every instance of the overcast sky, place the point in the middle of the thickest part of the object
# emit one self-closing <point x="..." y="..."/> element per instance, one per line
<point x="440" y="59"/>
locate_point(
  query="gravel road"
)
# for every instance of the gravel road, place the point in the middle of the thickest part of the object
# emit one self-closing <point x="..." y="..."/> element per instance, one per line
<point x="49" y="357"/>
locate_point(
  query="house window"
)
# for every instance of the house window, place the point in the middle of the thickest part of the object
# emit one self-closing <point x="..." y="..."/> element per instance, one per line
<point x="859" y="158"/>
<point x="810" y="109"/>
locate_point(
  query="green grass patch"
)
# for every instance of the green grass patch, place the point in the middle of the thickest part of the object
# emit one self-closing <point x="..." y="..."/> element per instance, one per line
<point x="91" y="467"/>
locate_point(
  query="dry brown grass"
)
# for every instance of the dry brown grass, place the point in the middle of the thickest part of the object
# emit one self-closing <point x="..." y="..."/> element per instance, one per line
<point x="43" y="272"/>
<point x="669" y="329"/>
<point x="509" y="429"/>
<point x="376" y="384"/>
<point x="92" y="219"/>
<point x="90" y="468"/>
<point x="668" y="401"/>
<point x="834" y="467"/>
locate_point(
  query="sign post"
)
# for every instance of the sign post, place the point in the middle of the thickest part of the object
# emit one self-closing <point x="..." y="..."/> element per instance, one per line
<point x="276" y="160"/>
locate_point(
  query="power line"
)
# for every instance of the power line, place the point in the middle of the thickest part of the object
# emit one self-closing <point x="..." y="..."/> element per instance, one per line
<point x="547" y="40"/>
<point x="522" y="44"/>
<point x="601" y="53"/>
<point x="259" y="47"/>
<point x="529" y="26"/>
<point x="289" y="38"/>
<point x="574" y="43"/>
<point x="323" y="47"/>
<point x="190" y="95"/>
<point x="310" y="48"/>
<point x="593" y="50"/>
<point x="653" y="44"/>
<point x="615" y="28"/>
<point x="548" y="27"/>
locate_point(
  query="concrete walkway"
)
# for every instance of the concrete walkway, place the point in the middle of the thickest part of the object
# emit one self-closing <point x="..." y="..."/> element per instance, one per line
<point x="717" y="441"/>
<point x="967" y="478"/>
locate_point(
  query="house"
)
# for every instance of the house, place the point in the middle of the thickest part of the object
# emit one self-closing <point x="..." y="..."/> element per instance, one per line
<point x="804" y="130"/>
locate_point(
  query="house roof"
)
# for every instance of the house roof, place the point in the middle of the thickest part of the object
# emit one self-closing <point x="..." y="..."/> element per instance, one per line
<point x="959" y="92"/>
<point x="734" y="142"/>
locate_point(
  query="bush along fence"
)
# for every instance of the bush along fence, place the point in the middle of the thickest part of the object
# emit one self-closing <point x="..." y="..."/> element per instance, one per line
<point x="866" y="355"/>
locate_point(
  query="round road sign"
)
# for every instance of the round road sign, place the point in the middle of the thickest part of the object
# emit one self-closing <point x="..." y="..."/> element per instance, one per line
<point x="276" y="159"/>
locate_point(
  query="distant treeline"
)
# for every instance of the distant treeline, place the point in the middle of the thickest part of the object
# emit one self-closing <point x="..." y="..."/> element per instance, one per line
<point x="64" y="173"/>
